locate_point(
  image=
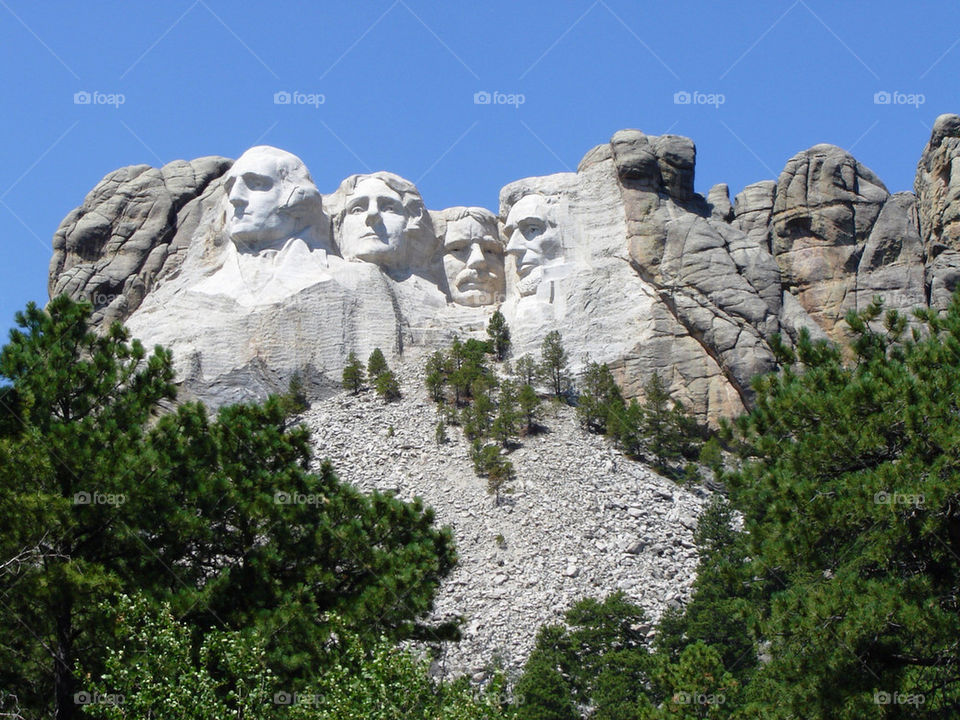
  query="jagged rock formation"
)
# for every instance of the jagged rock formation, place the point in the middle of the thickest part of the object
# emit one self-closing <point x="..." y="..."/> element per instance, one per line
<point x="937" y="188"/>
<point x="251" y="274"/>
<point x="130" y="233"/>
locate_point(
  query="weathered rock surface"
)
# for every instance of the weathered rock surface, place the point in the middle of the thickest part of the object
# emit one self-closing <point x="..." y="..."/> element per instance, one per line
<point x="937" y="188"/>
<point x="825" y="208"/>
<point x="131" y="231"/>
<point x="250" y="281"/>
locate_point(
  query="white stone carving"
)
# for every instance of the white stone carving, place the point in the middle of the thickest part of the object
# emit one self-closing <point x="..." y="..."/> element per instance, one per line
<point x="473" y="256"/>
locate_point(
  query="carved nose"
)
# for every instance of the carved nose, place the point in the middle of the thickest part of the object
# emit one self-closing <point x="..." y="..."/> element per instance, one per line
<point x="515" y="245"/>
<point x="238" y="195"/>
<point x="373" y="216"/>
<point x="476" y="257"/>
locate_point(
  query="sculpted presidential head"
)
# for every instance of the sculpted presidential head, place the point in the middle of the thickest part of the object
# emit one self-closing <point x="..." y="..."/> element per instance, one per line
<point x="272" y="199"/>
<point x="534" y="240"/>
<point x="473" y="256"/>
<point x="384" y="221"/>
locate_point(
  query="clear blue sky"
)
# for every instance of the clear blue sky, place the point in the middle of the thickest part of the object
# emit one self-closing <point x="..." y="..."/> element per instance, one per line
<point x="399" y="77"/>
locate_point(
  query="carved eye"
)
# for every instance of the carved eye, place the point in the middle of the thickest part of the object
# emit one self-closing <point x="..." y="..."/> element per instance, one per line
<point x="391" y="205"/>
<point x="356" y="209"/>
<point x="531" y="228"/>
<point x="257" y="182"/>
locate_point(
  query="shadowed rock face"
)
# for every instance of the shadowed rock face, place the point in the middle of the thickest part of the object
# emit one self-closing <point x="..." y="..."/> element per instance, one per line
<point x="623" y="257"/>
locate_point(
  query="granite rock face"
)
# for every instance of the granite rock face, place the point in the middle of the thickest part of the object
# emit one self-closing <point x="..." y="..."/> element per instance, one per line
<point x="825" y="208"/>
<point x="937" y="188"/>
<point x="131" y="231"/>
<point x="252" y="274"/>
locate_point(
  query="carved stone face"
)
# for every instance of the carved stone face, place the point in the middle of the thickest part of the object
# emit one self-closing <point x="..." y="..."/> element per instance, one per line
<point x="534" y="241"/>
<point x="473" y="261"/>
<point x="374" y="222"/>
<point x="272" y="198"/>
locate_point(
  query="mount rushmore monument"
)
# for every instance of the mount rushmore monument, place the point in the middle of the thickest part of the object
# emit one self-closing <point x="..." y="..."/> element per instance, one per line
<point x="251" y="274"/>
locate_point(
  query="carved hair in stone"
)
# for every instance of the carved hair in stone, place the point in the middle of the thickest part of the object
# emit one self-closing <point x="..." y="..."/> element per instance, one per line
<point x="384" y="221"/>
<point x="473" y="256"/>
<point x="272" y="199"/>
<point x="534" y="240"/>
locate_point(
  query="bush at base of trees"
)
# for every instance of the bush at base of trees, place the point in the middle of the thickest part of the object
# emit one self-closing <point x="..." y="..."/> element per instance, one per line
<point x="154" y="670"/>
<point x="387" y="386"/>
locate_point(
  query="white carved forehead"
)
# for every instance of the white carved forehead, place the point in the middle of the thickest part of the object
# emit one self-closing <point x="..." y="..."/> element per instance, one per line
<point x="373" y="184"/>
<point x="271" y="161"/>
<point x="529" y="206"/>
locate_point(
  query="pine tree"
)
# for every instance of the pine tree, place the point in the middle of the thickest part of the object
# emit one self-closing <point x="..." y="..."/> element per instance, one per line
<point x="660" y="425"/>
<point x="554" y="363"/>
<point x="543" y="692"/>
<point x="353" y="374"/>
<point x="435" y="376"/>
<point x="441" y="433"/>
<point x="499" y="334"/>
<point x="480" y="412"/>
<point x="597" y="658"/>
<point x="296" y="395"/>
<point x="599" y="404"/>
<point x="499" y="476"/>
<point x="219" y="516"/>
<point x="529" y="404"/>
<point x="849" y="493"/>
<point x="460" y="377"/>
<point x="526" y="370"/>
<point x="387" y="386"/>
<point x="376" y="364"/>
<point x="505" y="425"/>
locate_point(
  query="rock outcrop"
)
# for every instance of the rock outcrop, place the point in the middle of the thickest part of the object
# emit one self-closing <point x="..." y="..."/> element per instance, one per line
<point x="131" y="232"/>
<point x="254" y="275"/>
<point x="937" y="188"/>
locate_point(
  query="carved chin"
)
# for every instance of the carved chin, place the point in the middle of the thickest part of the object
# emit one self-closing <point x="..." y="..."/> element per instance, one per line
<point x="528" y="284"/>
<point x="474" y="297"/>
<point x="260" y="232"/>
<point x="371" y="250"/>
